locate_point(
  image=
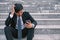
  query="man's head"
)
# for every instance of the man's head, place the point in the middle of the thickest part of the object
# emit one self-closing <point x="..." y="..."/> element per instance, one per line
<point x="18" y="9"/>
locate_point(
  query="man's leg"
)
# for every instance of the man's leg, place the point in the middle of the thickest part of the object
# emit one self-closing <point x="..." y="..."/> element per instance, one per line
<point x="24" y="33"/>
<point x="30" y="34"/>
<point x="10" y="32"/>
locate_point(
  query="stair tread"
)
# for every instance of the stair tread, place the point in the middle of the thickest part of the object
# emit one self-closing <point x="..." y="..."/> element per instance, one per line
<point x="40" y="37"/>
<point x="40" y="26"/>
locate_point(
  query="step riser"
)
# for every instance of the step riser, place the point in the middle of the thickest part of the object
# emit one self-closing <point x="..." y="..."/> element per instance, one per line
<point x="41" y="31"/>
<point x="41" y="22"/>
<point x="37" y="5"/>
<point x="38" y="37"/>
<point x="43" y="16"/>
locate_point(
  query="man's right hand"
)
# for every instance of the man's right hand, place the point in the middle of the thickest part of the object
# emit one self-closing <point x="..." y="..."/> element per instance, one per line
<point x="13" y="10"/>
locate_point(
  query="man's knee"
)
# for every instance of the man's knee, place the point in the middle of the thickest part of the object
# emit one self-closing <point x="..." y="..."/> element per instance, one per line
<point x="31" y="32"/>
<point x="6" y="29"/>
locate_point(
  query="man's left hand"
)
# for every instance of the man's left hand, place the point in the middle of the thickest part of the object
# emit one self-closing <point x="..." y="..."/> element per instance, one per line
<point x="29" y="25"/>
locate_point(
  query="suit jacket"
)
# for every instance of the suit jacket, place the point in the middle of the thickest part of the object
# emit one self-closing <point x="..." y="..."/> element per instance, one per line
<point x="13" y="21"/>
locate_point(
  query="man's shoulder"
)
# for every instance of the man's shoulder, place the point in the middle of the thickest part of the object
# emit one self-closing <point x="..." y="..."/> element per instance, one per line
<point x="25" y="12"/>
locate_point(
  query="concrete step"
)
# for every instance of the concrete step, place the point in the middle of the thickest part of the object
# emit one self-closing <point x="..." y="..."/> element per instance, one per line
<point x="8" y="4"/>
<point x="46" y="16"/>
<point x="40" y="21"/>
<point x="48" y="22"/>
<point x="35" y="3"/>
<point x="40" y="26"/>
<point x="4" y="7"/>
<point x="41" y="29"/>
<point x="38" y="37"/>
<point x="48" y="37"/>
<point x="37" y="15"/>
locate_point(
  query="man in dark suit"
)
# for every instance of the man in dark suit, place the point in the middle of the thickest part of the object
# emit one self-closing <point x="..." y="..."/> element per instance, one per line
<point x="27" y="22"/>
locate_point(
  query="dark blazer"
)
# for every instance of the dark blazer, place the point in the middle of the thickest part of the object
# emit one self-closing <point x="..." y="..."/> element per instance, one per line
<point x="13" y="21"/>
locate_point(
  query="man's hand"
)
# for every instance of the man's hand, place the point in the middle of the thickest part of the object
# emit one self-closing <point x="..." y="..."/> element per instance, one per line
<point x="29" y="25"/>
<point x="12" y="10"/>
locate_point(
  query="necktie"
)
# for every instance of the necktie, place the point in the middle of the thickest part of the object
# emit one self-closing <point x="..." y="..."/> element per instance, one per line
<point x="19" y="29"/>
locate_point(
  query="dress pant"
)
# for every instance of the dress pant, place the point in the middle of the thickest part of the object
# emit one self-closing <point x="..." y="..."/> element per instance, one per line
<point x="11" y="33"/>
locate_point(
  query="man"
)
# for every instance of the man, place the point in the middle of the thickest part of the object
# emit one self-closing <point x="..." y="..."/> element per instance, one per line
<point x="27" y="22"/>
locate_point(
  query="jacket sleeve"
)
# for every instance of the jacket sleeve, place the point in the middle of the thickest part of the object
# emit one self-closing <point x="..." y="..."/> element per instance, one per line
<point x="32" y="20"/>
<point x="8" y="20"/>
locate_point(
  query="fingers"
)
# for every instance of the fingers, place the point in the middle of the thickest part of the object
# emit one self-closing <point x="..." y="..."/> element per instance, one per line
<point x="28" y="25"/>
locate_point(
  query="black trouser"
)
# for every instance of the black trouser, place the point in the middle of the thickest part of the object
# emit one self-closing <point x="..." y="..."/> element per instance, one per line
<point x="11" y="32"/>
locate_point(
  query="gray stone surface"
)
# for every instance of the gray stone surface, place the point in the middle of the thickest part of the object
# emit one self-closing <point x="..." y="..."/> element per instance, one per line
<point x="41" y="31"/>
<point x="39" y="37"/>
<point x="49" y="28"/>
<point x="35" y="6"/>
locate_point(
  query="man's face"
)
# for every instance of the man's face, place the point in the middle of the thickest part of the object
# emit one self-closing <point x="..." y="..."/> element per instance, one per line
<point x="19" y="13"/>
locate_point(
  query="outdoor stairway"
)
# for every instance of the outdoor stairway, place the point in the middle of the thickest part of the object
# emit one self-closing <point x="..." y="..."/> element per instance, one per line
<point x="48" y="27"/>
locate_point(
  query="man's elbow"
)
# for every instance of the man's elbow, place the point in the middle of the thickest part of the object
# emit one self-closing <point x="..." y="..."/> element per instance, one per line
<point x="35" y="23"/>
<point x="6" y="23"/>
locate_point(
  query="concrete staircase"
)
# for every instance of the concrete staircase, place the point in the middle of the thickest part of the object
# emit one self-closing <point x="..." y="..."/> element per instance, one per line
<point x="48" y="20"/>
<point x="47" y="27"/>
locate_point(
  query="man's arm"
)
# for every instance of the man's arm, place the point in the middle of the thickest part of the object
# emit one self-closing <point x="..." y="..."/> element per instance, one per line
<point x="34" y="23"/>
<point x="10" y="16"/>
<point x="8" y="20"/>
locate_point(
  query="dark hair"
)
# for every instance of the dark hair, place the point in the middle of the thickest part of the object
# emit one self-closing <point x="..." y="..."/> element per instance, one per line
<point x="18" y="7"/>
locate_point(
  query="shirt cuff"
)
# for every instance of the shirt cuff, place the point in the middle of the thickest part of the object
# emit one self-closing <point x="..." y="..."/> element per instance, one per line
<point x="33" y="25"/>
<point x="11" y="15"/>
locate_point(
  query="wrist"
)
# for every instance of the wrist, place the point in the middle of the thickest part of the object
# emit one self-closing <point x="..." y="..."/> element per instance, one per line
<point x="33" y="25"/>
<point x="11" y="15"/>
